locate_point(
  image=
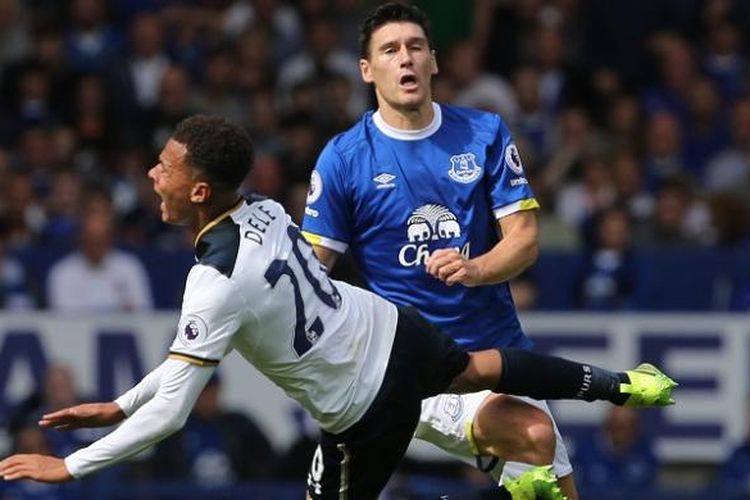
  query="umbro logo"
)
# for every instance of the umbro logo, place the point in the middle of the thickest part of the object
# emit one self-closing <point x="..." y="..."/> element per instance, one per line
<point x="384" y="180"/>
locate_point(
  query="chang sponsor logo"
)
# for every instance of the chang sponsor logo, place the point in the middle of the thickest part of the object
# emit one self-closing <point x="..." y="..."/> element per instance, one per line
<point x="430" y="222"/>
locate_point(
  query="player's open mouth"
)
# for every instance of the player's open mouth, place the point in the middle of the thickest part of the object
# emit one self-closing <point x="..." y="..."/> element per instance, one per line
<point x="408" y="82"/>
<point x="162" y="205"/>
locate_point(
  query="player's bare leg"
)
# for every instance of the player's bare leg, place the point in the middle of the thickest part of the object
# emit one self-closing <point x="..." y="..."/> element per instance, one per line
<point x="553" y="378"/>
<point x="512" y="430"/>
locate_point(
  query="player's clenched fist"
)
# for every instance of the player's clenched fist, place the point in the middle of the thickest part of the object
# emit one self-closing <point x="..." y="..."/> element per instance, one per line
<point x="37" y="467"/>
<point x="450" y="267"/>
<point x="85" y="415"/>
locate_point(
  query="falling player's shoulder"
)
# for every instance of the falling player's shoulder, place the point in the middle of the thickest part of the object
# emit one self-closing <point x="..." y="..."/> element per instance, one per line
<point x="219" y="243"/>
<point x="218" y="246"/>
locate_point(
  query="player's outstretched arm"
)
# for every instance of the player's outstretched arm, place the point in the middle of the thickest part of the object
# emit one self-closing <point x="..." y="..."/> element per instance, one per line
<point x="41" y="468"/>
<point x="84" y="415"/>
<point x="106" y="414"/>
<point x="143" y="391"/>
<point x="50" y="469"/>
<point x="164" y="413"/>
<point x="524" y="373"/>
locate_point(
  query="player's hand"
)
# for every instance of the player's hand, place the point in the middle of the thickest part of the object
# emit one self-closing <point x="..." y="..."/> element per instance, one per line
<point x="85" y="415"/>
<point x="450" y="267"/>
<point x="37" y="467"/>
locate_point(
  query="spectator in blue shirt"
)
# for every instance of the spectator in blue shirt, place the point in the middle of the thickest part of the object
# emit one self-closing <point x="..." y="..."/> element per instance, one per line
<point x="620" y="458"/>
<point x="217" y="447"/>
<point x="15" y="292"/>
<point x="608" y="270"/>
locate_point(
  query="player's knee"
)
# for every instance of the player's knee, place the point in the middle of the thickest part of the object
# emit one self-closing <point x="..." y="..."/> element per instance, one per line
<point x="539" y="439"/>
<point x="515" y="431"/>
<point x="534" y="442"/>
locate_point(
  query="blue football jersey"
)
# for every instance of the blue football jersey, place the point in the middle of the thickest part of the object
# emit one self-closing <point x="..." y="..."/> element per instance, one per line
<point x="393" y="197"/>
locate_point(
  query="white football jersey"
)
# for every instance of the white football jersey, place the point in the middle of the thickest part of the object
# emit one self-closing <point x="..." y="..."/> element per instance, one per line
<point x="258" y="288"/>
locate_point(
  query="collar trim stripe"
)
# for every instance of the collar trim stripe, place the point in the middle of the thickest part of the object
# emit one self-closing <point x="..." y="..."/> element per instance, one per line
<point x="410" y="135"/>
<point x="218" y="219"/>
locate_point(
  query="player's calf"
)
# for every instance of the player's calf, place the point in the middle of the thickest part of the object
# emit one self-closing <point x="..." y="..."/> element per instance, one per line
<point x="548" y="377"/>
<point x="524" y="373"/>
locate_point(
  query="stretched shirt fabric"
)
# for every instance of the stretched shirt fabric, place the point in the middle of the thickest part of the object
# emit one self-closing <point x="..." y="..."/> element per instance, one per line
<point x="393" y="197"/>
<point x="257" y="288"/>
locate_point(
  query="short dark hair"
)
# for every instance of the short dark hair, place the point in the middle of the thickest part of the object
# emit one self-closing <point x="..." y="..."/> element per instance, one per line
<point x="391" y="12"/>
<point x="218" y="148"/>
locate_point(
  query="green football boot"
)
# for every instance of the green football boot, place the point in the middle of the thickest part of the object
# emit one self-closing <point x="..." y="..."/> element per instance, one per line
<point x="648" y="387"/>
<point x="538" y="483"/>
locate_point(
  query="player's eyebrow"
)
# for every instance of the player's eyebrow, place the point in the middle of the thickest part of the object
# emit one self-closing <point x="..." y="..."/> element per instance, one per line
<point x="416" y="39"/>
<point x="409" y="41"/>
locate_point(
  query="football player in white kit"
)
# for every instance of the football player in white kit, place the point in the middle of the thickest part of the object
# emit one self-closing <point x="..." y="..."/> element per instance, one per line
<point x="359" y="364"/>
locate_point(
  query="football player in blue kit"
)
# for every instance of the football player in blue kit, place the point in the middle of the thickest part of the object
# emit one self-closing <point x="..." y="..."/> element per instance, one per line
<point x="418" y="192"/>
<point x="357" y="363"/>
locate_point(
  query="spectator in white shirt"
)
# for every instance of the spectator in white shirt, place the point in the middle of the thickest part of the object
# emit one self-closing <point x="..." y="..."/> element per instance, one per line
<point x="97" y="277"/>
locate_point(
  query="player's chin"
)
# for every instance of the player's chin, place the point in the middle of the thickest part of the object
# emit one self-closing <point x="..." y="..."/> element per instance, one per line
<point x="407" y="103"/>
<point x="167" y="217"/>
<point x="413" y="99"/>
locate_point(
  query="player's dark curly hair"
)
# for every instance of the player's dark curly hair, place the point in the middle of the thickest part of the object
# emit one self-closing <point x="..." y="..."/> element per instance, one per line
<point x="391" y="12"/>
<point x="218" y="148"/>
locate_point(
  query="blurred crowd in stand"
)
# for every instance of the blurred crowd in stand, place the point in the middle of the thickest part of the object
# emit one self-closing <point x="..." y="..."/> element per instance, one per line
<point x="632" y="118"/>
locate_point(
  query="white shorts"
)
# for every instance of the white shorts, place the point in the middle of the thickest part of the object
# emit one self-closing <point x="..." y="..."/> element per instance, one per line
<point x="446" y="421"/>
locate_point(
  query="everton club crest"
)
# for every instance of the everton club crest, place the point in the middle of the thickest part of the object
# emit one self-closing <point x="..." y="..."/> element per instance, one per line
<point x="464" y="168"/>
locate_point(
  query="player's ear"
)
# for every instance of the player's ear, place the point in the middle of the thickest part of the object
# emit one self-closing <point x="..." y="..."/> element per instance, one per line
<point x="366" y="70"/>
<point x="433" y="60"/>
<point x="200" y="192"/>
